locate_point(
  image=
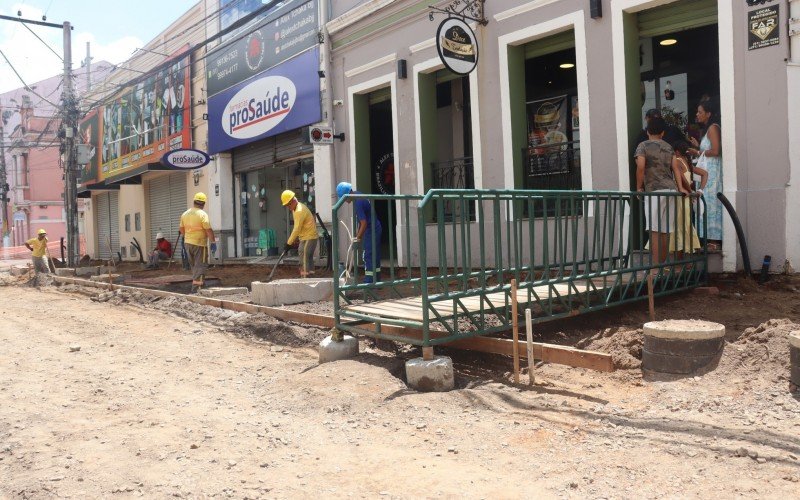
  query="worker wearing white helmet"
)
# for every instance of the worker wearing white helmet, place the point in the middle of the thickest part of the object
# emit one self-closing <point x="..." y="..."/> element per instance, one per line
<point x="38" y="247"/>
<point x="197" y="235"/>
<point x="305" y="230"/>
<point x="162" y="251"/>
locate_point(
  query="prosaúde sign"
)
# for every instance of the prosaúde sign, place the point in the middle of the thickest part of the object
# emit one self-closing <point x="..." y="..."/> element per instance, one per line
<point x="457" y="46"/>
<point x="185" y="159"/>
<point x="283" y="98"/>
<point x="286" y="33"/>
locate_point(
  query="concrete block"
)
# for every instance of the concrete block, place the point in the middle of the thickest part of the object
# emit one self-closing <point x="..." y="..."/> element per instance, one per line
<point x="223" y="291"/>
<point x="104" y="278"/>
<point x="90" y="271"/>
<point x="18" y="270"/>
<point x="330" y="350"/>
<point x="435" y="375"/>
<point x="65" y="271"/>
<point x="293" y="291"/>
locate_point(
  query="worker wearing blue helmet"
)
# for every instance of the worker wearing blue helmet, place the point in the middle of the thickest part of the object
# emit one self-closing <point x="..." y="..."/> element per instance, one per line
<point x="368" y="232"/>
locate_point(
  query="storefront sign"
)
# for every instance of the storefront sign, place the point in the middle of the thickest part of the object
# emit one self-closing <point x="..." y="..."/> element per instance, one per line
<point x="457" y="46"/>
<point x="763" y="26"/>
<point x="185" y="159"/>
<point x="286" y="33"/>
<point x="283" y="98"/>
<point x="142" y="123"/>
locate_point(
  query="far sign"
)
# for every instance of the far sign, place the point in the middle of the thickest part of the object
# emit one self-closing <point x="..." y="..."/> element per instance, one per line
<point x="320" y="135"/>
<point x="457" y="46"/>
<point x="185" y="159"/>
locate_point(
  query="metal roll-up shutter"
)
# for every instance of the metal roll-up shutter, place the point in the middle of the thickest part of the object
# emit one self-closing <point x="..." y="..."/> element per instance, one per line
<point x="259" y="154"/>
<point x="103" y="226"/>
<point x="113" y="213"/>
<point x="292" y="145"/>
<point x="177" y="202"/>
<point x="167" y="196"/>
<point x="158" y="216"/>
<point x="677" y="16"/>
<point x="267" y="152"/>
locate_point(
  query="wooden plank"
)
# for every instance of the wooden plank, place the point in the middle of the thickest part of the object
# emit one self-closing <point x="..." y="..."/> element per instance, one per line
<point x="549" y="353"/>
<point x="546" y="352"/>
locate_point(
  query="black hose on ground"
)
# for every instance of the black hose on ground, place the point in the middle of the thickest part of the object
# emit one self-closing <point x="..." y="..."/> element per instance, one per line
<point x="138" y="248"/>
<point x="739" y="233"/>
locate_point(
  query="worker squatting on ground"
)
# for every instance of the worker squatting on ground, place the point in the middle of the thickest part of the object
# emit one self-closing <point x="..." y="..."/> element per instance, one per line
<point x="305" y="230"/>
<point x="197" y="234"/>
<point x="162" y="251"/>
<point x="368" y="232"/>
<point x="38" y="247"/>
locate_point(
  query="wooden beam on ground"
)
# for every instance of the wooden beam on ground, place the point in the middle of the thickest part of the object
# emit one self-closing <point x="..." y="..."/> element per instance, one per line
<point x="282" y="314"/>
<point x="549" y="353"/>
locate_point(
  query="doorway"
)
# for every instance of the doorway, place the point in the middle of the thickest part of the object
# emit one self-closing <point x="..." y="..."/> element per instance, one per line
<point x="375" y="163"/>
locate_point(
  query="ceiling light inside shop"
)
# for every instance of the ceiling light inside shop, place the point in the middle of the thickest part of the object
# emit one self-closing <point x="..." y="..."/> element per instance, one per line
<point x="566" y="66"/>
<point x="667" y="42"/>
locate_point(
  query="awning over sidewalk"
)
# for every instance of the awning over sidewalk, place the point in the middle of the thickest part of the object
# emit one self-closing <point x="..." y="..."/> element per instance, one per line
<point x="134" y="175"/>
<point x="85" y="191"/>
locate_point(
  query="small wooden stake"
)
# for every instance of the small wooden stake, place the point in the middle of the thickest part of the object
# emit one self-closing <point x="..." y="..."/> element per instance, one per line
<point x="515" y="319"/>
<point x="529" y="336"/>
<point x="650" y="297"/>
<point x="427" y="353"/>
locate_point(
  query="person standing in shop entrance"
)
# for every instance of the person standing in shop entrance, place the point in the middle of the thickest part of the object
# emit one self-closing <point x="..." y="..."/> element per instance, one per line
<point x="38" y="247"/>
<point x="369" y="232"/>
<point x="305" y="230"/>
<point x="197" y="234"/>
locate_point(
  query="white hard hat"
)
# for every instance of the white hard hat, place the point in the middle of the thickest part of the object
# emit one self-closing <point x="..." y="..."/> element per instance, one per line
<point x="159" y="236"/>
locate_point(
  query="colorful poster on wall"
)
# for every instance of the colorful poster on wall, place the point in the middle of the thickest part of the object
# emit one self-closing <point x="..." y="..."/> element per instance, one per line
<point x="763" y="28"/>
<point x="146" y="120"/>
<point x="283" y="98"/>
<point x="90" y="134"/>
<point x="547" y="123"/>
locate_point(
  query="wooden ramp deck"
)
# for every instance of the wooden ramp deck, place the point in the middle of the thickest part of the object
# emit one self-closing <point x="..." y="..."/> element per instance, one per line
<point x="411" y="308"/>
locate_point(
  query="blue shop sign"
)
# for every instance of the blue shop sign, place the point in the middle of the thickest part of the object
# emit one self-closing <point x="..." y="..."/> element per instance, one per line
<point x="280" y="99"/>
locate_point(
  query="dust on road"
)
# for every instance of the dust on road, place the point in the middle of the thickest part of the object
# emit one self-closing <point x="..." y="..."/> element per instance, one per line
<point x="156" y="405"/>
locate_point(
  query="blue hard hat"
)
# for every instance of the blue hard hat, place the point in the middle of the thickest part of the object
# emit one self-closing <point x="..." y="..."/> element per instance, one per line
<point x="344" y="188"/>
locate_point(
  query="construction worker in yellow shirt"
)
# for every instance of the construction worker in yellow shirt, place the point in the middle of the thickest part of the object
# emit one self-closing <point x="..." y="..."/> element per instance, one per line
<point x="197" y="233"/>
<point x="38" y="247"/>
<point x="305" y="230"/>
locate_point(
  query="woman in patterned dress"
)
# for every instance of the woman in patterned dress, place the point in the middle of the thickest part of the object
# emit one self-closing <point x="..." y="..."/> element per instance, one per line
<point x="710" y="151"/>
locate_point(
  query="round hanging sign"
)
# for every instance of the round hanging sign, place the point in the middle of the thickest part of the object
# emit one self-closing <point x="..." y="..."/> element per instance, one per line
<point x="457" y="46"/>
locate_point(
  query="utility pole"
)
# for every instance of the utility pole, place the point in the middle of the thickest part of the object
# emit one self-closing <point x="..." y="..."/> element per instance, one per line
<point x="88" y="63"/>
<point x="3" y="182"/>
<point x="68" y="145"/>
<point x="69" y="108"/>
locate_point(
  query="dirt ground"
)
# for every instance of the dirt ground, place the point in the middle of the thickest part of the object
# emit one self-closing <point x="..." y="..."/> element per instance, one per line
<point x="156" y="403"/>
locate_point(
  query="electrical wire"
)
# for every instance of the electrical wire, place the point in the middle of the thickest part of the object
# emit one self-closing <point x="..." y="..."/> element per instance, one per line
<point x="45" y="43"/>
<point x="23" y="81"/>
<point x="241" y="24"/>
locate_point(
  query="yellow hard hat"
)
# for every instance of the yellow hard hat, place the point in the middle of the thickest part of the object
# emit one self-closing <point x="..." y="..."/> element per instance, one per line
<point x="201" y="197"/>
<point x="286" y="197"/>
<point x="41" y="231"/>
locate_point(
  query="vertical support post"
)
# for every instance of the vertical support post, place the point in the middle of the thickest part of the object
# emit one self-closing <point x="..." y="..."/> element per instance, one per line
<point x="529" y="338"/>
<point x="6" y="227"/>
<point x="650" y="296"/>
<point x="515" y="322"/>
<point x="427" y="353"/>
<point x="70" y="167"/>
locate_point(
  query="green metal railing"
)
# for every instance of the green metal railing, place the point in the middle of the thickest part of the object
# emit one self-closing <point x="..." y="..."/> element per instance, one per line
<point x="577" y="256"/>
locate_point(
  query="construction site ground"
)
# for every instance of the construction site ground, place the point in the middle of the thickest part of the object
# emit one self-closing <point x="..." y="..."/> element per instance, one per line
<point x="129" y="395"/>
